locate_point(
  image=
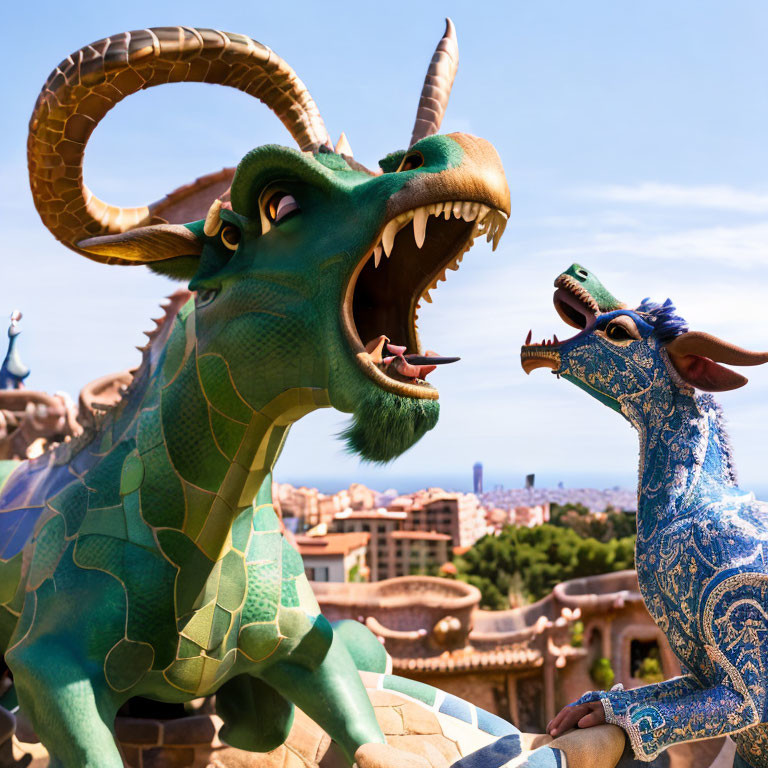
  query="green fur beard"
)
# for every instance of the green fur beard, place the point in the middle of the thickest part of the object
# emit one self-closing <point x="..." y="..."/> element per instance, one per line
<point x="385" y="425"/>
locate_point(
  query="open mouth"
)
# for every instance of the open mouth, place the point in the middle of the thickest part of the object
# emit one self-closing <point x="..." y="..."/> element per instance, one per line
<point x="577" y="308"/>
<point x="412" y="254"/>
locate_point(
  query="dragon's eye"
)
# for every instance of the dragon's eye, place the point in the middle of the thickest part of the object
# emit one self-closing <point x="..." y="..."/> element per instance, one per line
<point x="276" y="206"/>
<point x="617" y="333"/>
<point x="411" y="161"/>
<point x="279" y="205"/>
<point x="622" y="330"/>
<point x="230" y="236"/>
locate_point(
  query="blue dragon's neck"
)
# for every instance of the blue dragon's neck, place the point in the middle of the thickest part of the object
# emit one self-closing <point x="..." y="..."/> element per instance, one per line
<point x="685" y="455"/>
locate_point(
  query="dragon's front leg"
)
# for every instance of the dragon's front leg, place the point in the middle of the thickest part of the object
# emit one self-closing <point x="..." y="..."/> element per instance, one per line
<point x="331" y="693"/>
<point x="654" y="723"/>
<point x="574" y="713"/>
<point x="673" y="688"/>
<point x="71" y="714"/>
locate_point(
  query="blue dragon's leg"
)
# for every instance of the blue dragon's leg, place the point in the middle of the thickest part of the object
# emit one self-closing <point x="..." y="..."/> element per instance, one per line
<point x="653" y="724"/>
<point x="674" y="688"/>
<point x="733" y="701"/>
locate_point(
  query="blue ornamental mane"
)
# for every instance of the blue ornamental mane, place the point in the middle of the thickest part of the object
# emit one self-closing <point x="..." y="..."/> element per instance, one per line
<point x="664" y="318"/>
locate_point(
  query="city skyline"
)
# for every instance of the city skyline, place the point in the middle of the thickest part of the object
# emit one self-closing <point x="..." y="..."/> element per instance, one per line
<point x="632" y="139"/>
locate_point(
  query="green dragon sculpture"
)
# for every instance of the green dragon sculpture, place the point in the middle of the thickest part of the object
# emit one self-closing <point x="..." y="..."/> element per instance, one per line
<point x="134" y="560"/>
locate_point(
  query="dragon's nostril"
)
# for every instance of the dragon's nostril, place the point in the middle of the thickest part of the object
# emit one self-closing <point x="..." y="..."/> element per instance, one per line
<point x="581" y="273"/>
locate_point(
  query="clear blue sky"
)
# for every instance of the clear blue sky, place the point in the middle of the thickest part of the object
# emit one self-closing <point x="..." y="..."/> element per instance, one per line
<point x="634" y="139"/>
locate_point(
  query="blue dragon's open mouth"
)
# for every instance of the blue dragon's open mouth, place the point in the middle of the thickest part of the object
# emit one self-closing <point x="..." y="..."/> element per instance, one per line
<point x="577" y="308"/>
<point x="411" y="255"/>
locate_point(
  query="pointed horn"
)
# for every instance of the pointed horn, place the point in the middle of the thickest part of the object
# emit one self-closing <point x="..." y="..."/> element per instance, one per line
<point x="342" y="146"/>
<point x="86" y="85"/>
<point x="437" y="85"/>
<point x="706" y="345"/>
<point x="213" y="219"/>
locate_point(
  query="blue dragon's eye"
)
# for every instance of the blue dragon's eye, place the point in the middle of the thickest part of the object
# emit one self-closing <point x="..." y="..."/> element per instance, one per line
<point x="617" y="332"/>
<point x="622" y="329"/>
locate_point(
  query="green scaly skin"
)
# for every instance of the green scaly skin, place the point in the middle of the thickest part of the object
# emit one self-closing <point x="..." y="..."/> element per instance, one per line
<point x="134" y="561"/>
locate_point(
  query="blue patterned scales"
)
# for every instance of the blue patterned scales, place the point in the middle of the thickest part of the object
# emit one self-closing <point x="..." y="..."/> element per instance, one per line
<point x="701" y="539"/>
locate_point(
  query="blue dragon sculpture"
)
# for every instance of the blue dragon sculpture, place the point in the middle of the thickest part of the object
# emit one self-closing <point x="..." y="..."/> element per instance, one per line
<point x="701" y="539"/>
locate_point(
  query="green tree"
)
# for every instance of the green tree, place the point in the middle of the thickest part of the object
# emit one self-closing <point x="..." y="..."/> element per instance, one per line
<point x="526" y="563"/>
<point x="604" y="527"/>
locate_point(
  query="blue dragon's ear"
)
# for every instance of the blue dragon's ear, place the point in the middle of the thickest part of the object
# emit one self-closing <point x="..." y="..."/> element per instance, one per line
<point x="696" y="356"/>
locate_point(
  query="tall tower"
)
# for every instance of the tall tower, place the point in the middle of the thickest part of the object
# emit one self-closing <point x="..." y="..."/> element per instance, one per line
<point x="477" y="474"/>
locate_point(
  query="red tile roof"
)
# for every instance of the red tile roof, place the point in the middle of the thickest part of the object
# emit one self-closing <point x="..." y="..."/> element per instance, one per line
<point x="331" y="544"/>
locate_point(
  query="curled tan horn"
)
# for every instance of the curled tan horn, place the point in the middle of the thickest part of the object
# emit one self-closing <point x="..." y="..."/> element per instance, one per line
<point x="87" y="84"/>
<point x="437" y="85"/>
<point x="706" y="345"/>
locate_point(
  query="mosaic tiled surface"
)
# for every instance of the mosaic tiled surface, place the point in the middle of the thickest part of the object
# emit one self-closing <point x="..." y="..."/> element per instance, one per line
<point x="419" y="718"/>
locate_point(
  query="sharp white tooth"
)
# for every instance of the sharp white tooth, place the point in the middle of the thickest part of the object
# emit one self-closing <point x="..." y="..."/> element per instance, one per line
<point x="388" y="236"/>
<point x="420" y="226"/>
<point x="482" y="212"/>
<point x="447" y="208"/>
<point x="457" y="208"/>
<point x="499" y="232"/>
<point x="495" y="223"/>
<point x="377" y="255"/>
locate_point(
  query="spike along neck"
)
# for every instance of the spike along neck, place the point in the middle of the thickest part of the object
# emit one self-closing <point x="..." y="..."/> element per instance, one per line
<point x="219" y="448"/>
<point x="685" y="454"/>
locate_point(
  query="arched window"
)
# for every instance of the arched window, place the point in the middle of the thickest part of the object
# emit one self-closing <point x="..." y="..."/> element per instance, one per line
<point x="645" y="661"/>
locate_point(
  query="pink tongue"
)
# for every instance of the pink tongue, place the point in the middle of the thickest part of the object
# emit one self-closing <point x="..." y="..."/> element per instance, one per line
<point x="403" y="367"/>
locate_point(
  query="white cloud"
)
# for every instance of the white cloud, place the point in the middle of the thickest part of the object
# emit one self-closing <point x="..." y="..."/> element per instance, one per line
<point x="710" y="196"/>
<point x="740" y="246"/>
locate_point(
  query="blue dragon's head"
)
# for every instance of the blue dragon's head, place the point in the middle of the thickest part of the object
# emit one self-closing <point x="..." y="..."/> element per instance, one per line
<point x="622" y="354"/>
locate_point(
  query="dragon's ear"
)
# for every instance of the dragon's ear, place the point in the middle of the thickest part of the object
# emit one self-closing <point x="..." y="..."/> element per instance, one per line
<point x="696" y="356"/>
<point x="171" y="249"/>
